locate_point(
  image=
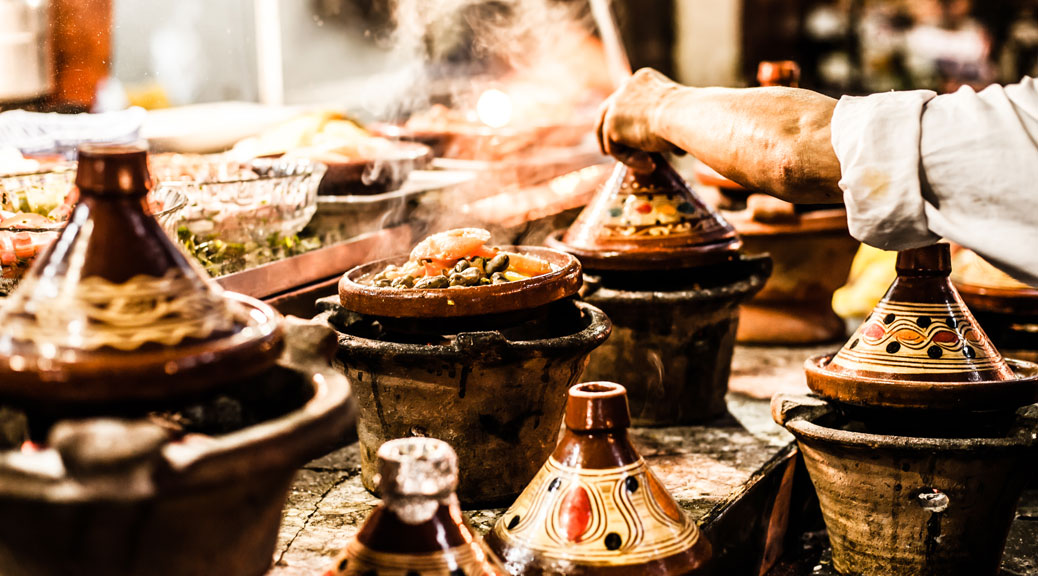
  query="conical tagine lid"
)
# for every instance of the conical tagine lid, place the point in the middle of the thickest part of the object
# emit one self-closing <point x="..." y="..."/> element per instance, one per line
<point x="921" y="348"/>
<point x="114" y="311"/>
<point x="649" y="221"/>
<point x="596" y="507"/>
<point x="419" y="528"/>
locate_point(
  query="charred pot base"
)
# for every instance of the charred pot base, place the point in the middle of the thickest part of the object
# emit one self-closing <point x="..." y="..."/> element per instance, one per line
<point x="672" y="343"/>
<point x="910" y="504"/>
<point x="495" y="396"/>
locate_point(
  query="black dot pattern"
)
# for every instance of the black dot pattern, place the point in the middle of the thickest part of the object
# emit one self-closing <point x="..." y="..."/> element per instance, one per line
<point x="612" y="541"/>
<point x="343" y="564"/>
<point x="969" y="352"/>
<point x="934" y="352"/>
<point x="853" y="344"/>
<point x="457" y="572"/>
<point x="554" y="484"/>
<point x="893" y="347"/>
<point x="513" y="522"/>
<point x="923" y="322"/>
<point x="888" y="318"/>
<point x="631" y="484"/>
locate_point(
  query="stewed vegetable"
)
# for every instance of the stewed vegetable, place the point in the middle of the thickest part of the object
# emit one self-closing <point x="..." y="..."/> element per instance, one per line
<point x="459" y="258"/>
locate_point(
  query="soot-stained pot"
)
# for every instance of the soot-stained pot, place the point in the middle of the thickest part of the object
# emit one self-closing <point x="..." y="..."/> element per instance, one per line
<point x="668" y="271"/>
<point x="418" y="529"/>
<point x="921" y="350"/>
<point x="496" y="396"/>
<point x="114" y="312"/>
<point x="926" y="506"/>
<point x="673" y="344"/>
<point x="595" y="507"/>
<point x="123" y="497"/>
<point x="484" y="368"/>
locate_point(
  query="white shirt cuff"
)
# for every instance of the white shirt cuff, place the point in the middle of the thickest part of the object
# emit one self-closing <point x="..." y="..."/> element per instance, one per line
<point x="876" y="139"/>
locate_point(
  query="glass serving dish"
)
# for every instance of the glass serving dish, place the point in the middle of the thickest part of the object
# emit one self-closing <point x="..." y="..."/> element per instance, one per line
<point x="240" y="202"/>
<point x="34" y="207"/>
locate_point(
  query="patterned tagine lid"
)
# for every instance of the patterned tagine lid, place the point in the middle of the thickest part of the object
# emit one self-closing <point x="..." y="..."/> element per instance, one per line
<point x="419" y="529"/>
<point x="648" y="221"/>
<point x="114" y="312"/>
<point x="596" y="507"/>
<point x="920" y="348"/>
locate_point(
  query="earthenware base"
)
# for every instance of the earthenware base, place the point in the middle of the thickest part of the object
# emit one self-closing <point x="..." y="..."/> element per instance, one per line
<point x="911" y="505"/>
<point x="672" y="347"/>
<point x="495" y="397"/>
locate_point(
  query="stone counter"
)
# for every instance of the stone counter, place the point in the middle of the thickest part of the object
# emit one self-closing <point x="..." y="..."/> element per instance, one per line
<point x="726" y="475"/>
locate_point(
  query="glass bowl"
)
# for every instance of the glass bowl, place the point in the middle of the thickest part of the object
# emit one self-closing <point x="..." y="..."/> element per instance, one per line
<point x="240" y="202"/>
<point x="39" y="201"/>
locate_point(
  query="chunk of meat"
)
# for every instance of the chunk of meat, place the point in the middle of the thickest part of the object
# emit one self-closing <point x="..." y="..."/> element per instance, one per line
<point x="452" y="245"/>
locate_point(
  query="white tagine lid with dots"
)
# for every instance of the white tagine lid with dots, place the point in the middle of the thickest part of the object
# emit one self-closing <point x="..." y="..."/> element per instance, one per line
<point x="921" y="348"/>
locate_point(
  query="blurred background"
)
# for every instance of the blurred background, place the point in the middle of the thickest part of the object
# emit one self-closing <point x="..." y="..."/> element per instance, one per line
<point x="77" y="55"/>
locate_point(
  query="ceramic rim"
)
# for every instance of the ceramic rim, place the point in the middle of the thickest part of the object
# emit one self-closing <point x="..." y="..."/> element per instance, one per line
<point x="880" y="393"/>
<point x="459" y="302"/>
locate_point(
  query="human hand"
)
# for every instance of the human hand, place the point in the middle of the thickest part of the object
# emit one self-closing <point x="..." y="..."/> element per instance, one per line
<point x="628" y="121"/>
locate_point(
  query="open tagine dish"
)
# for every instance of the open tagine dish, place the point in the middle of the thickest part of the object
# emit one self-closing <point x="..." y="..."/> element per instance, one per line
<point x="455" y="274"/>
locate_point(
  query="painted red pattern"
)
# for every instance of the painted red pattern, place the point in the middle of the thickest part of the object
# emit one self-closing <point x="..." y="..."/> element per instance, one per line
<point x="575" y="513"/>
<point x="945" y="337"/>
<point x="873" y="331"/>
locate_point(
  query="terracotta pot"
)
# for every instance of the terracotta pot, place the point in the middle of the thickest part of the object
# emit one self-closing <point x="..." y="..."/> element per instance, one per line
<point x="122" y="497"/>
<point x="812" y="257"/>
<point x="648" y="221"/>
<point x="912" y="505"/>
<point x="419" y="527"/>
<point x="495" y="396"/>
<point x="672" y="345"/>
<point x="596" y="507"/>
<point x="921" y="350"/>
<point x="114" y="312"/>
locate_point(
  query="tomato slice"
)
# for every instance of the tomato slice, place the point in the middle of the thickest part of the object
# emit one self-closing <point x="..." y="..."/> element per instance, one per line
<point x="451" y="245"/>
<point x="26" y="220"/>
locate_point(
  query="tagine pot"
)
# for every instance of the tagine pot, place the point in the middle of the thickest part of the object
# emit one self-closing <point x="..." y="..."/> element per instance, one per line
<point x="922" y="351"/>
<point x="419" y="527"/>
<point x="118" y="496"/>
<point x="926" y="506"/>
<point x="114" y="313"/>
<point x="669" y="273"/>
<point x="595" y="507"/>
<point x="484" y="368"/>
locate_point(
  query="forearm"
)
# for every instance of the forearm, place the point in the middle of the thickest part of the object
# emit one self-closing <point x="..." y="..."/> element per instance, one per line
<point x="770" y="139"/>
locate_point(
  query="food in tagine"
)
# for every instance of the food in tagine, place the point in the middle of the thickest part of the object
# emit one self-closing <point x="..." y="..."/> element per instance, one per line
<point x="459" y="258"/>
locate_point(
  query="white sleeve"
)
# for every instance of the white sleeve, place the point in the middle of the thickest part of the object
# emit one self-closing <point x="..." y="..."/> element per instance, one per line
<point x="963" y="166"/>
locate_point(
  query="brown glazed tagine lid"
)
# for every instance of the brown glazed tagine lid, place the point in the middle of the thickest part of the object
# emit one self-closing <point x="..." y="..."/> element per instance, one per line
<point x="596" y="507"/>
<point x="419" y="527"/>
<point x="114" y="312"/>
<point x="648" y="221"/>
<point x="921" y="348"/>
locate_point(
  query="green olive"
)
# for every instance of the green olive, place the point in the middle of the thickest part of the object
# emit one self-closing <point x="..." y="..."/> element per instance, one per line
<point x="432" y="282"/>
<point x="498" y="278"/>
<point x="498" y="263"/>
<point x="403" y="282"/>
<point x="461" y="265"/>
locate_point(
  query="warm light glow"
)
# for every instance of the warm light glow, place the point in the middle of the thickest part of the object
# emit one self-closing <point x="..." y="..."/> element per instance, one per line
<point x="494" y="108"/>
